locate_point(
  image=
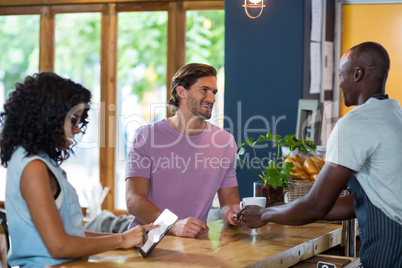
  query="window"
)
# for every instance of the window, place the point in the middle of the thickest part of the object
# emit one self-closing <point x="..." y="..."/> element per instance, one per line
<point x="141" y="82"/>
<point x="125" y="53"/>
<point x="77" y="49"/>
<point x="205" y="44"/>
<point x="19" y="43"/>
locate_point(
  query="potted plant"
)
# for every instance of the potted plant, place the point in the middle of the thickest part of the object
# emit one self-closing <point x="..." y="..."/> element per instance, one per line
<point x="274" y="176"/>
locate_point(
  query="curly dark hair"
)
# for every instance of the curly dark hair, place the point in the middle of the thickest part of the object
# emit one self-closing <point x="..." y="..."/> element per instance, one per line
<point x="187" y="76"/>
<point x="34" y="116"/>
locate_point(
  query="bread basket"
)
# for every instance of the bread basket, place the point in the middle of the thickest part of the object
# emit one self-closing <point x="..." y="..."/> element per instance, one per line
<point x="297" y="188"/>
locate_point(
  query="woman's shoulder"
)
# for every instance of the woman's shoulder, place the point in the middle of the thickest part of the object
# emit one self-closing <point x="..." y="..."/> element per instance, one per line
<point x="18" y="157"/>
<point x="21" y="158"/>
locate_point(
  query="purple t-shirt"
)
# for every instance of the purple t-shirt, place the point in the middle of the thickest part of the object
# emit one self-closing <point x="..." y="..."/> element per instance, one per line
<point x="185" y="171"/>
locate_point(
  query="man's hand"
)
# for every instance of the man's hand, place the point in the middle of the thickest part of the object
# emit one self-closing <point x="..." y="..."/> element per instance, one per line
<point x="230" y="215"/>
<point x="190" y="227"/>
<point x="252" y="216"/>
<point x="229" y="200"/>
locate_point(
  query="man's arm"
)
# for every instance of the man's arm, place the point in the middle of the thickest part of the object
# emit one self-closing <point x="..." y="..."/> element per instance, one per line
<point x="343" y="209"/>
<point x="229" y="200"/>
<point x="138" y="205"/>
<point x="137" y="189"/>
<point x="309" y="208"/>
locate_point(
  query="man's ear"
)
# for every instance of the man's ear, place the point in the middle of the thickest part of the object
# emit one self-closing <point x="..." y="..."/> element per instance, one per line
<point x="181" y="91"/>
<point x="358" y="74"/>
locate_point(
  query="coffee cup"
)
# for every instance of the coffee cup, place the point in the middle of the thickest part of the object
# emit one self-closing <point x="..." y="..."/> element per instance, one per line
<point x="248" y="201"/>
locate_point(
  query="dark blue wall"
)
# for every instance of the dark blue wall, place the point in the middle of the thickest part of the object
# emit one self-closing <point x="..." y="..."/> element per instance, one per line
<point x="263" y="72"/>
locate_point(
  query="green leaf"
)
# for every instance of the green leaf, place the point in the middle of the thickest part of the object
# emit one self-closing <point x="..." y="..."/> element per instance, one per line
<point x="242" y="150"/>
<point x="272" y="165"/>
<point x="260" y="139"/>
<point x="250" y="142"/>
<point x="276" y="174"/>
<point x="273" y="138"/>
<point x="287" y="168"/>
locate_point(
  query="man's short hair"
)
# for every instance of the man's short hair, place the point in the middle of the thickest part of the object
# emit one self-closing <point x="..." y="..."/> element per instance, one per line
<point x="377" y="56"/>
<point x="187" y="76"/>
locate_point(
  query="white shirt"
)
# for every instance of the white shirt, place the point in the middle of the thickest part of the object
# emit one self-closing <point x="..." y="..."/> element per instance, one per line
<point x="368" y="140"/>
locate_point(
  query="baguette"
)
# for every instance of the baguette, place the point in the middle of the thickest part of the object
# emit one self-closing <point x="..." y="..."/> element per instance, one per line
<point x="299" y="174"/>
<point x="295" y="163"/>
<point x="318" y="162"/>
<point x="299" y="159"/>
<point x="311" y="169"/>
<point x="313" y="177"/>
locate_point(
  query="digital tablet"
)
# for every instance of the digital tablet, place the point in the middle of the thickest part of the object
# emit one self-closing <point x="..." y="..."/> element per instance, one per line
<point x="165" y="221"/>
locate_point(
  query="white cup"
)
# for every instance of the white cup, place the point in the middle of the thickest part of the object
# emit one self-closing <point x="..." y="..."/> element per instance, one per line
<point x="248" y="201"/>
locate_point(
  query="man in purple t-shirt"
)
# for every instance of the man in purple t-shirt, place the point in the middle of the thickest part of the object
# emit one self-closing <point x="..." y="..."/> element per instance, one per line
<point x="181" y="162"/>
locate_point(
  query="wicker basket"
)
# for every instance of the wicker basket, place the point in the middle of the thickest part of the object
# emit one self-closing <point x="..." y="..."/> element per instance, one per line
<point x="298" y="188"/>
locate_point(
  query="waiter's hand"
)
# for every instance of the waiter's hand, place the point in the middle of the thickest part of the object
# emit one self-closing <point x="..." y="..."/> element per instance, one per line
<point x="252" y="216"/>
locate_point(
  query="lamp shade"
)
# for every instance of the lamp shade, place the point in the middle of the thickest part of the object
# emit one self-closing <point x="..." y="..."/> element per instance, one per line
<point x="253" y="4"/>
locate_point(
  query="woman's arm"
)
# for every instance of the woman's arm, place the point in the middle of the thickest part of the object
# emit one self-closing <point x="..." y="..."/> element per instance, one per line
<point x="95" y="234"/>
<point x="36" y="190"/>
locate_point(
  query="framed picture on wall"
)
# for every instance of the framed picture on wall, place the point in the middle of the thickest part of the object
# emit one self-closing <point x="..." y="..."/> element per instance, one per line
<point x="308" y="120"/>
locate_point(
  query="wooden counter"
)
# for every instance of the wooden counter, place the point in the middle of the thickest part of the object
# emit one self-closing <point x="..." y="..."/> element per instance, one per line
<point x="228" y="246"/>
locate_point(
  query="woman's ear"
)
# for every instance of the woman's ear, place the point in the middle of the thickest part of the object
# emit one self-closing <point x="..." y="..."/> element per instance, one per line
<point x="358" y="74"/>
<point x="181" y="91"/>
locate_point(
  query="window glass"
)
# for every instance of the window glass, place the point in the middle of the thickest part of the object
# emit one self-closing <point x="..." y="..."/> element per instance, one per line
<point x="206" y="44"/>
<point x="141" y="86"/>
<point x="19" y="57"/>
<point x="77" y="56"/>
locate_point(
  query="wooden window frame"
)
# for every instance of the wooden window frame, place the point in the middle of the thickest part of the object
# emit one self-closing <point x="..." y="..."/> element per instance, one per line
<point x="176" y="47"/>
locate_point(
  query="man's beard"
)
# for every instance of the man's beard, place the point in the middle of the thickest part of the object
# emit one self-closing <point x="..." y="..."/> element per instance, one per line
<point x="197" y="112"/>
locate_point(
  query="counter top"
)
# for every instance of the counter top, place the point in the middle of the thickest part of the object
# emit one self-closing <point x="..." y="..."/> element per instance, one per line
<point x="228" y="246"/>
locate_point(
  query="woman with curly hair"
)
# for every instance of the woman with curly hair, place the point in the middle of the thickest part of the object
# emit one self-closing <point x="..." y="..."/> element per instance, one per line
<point x="45" y="221"/>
